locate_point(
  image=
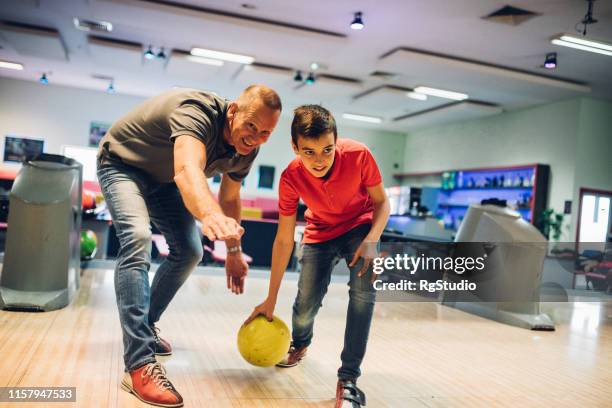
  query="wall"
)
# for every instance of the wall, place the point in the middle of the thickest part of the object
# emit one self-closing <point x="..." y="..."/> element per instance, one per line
<point x="593" y="150"/>
<point x="62" y="116"/>
<point x="571" y="136"/>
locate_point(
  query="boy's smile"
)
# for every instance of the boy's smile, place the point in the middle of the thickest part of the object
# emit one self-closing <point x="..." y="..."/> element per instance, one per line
<point x="318" y="154"/>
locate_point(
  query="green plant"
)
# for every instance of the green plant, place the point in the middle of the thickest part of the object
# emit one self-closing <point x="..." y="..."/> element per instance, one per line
<point x="551" y="223"/>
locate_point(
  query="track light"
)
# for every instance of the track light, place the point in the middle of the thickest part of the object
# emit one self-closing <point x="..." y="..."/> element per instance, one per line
<point x="551" y="60"/>
<point x="357" y="23"/>
<point x="298" y="76"/>
<point x="149" y="54"/>
<point x="310" y="79"/>
<point x="43" y="79"/>
<point x="161" y="54"/>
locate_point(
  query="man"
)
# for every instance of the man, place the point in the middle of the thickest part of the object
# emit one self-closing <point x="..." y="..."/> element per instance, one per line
<point x="152" y="167"/>
<point x="340" y="183"/>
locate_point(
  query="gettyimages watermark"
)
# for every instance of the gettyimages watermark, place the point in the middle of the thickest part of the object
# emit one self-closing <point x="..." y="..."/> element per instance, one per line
<point x="493" y="271"/>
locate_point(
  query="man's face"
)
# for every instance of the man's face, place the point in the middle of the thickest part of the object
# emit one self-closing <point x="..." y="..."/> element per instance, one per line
<point x="251" y="126"/>
<point x="318" y="154"/>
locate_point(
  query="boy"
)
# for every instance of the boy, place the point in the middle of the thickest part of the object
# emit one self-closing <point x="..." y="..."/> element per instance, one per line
<point x="341" y="185"/>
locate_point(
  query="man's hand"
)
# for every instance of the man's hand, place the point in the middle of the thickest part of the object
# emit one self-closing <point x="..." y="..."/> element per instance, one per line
<point x="236" y="270"/>
<point x="368" y="251"/>
<point x="217" y="226"/>
<point x="265" y="309"/>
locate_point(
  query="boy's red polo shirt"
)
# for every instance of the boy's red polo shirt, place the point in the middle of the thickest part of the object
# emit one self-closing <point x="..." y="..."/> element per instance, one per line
<point x="337" y="203"/>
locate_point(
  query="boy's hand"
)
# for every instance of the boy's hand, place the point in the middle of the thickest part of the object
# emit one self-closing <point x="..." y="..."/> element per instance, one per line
<point x="368" y="251"/>
<point x="266" y="309"/>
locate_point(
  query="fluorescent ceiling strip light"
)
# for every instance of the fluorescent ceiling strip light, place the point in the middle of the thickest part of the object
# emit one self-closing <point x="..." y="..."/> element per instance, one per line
<point x="207" y="61"/>
<point x="557" y="41"/>
<point x="441" y="93"/>
<point x="589" y="43"/>
<point x="416" y="95"/>
<point x="220" y="55"/>
<point x="11" y="65"/>
<point x="482" y="68"/>
<point x="361" y="118"/>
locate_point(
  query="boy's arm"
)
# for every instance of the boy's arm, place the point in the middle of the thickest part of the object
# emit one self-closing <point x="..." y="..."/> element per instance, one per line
<point x="368" y="249"/>
<point x="281" y="252"/>
<point x="382" y="209"/>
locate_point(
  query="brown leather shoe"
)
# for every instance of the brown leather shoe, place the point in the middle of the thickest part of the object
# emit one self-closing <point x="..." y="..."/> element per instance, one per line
<point x="293" y="357"/>
<point x="162" y="347"/>
<point x="149" y="384"/>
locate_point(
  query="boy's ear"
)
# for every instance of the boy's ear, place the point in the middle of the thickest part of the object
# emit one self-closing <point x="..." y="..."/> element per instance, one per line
<point x="295" y="148"/>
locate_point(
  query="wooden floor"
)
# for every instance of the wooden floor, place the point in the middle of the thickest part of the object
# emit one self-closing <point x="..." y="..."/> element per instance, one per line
<point x="419" y="355"/>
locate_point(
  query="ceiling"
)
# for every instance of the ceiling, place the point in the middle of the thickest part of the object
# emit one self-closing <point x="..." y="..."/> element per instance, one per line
<point x="436" y="43"/>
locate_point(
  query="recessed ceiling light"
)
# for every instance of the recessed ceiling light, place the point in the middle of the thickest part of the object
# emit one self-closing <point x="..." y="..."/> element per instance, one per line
<point x="207" y="61"/>
<point x="362" y="118"/>
<point x="417" y="96"/>
<point x="224" y="56"/>
<point x="441" y="93"/>
<point x="570" y="41"/>
<point x="11" y="65"/>
<point x="92" y="25"/>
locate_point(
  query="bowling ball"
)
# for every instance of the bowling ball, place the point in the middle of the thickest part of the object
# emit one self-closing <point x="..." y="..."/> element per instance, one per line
<point x="89" y="200"/>
<point x="89" y="243"/>
<point x="263" y="343"/>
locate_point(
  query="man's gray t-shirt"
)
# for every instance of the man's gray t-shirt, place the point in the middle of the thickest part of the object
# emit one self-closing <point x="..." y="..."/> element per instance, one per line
<point x="144" y="138"/>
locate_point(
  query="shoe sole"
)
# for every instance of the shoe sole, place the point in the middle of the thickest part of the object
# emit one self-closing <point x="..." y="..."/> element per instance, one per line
<point x="169" y="353"/>
<point x="289" y="365"/>
<point x="128" y="388"/>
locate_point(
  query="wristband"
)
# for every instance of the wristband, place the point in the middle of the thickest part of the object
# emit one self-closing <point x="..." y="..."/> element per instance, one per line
<point x="231" y="250"/>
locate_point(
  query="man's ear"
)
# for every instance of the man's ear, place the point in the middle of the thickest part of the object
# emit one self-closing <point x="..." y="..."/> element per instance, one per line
<point x="231" y="111"/>
<point x="295" y="148"/>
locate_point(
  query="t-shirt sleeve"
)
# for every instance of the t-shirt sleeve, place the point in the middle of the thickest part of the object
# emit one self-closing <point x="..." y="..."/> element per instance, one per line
<point x="240" y="173"/>
<point x="189" y="119"/>
<point x="370" y="174"/>
<point x="288" y="197"/>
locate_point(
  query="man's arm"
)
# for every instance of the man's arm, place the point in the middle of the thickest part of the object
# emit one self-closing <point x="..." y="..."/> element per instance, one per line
<point x="189" y="164"/>
<point x="229" y="200"/>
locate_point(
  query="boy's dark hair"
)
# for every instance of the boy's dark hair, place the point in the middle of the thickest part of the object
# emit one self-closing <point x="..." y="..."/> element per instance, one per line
<point x="311" y="121"/>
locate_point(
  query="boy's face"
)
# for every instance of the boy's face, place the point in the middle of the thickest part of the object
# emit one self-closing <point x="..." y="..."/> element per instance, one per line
<point x="316" y="154"/>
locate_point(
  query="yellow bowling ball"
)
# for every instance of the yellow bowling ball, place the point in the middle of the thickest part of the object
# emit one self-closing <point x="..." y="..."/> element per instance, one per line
<point x="263" y="343"/>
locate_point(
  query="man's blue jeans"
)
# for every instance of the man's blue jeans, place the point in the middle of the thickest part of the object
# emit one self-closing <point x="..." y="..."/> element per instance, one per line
<point x="317" y="262"/>
<point x="134" y="201"/>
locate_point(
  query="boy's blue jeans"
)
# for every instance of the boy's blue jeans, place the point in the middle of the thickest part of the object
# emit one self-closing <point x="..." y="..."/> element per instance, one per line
<point x="317" y="262"/>
<point x="134" y="201"/>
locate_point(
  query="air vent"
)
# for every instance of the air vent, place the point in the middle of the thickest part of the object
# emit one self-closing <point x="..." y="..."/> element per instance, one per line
<point x="91" y="25"/>
<point x="511" y="15"/>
